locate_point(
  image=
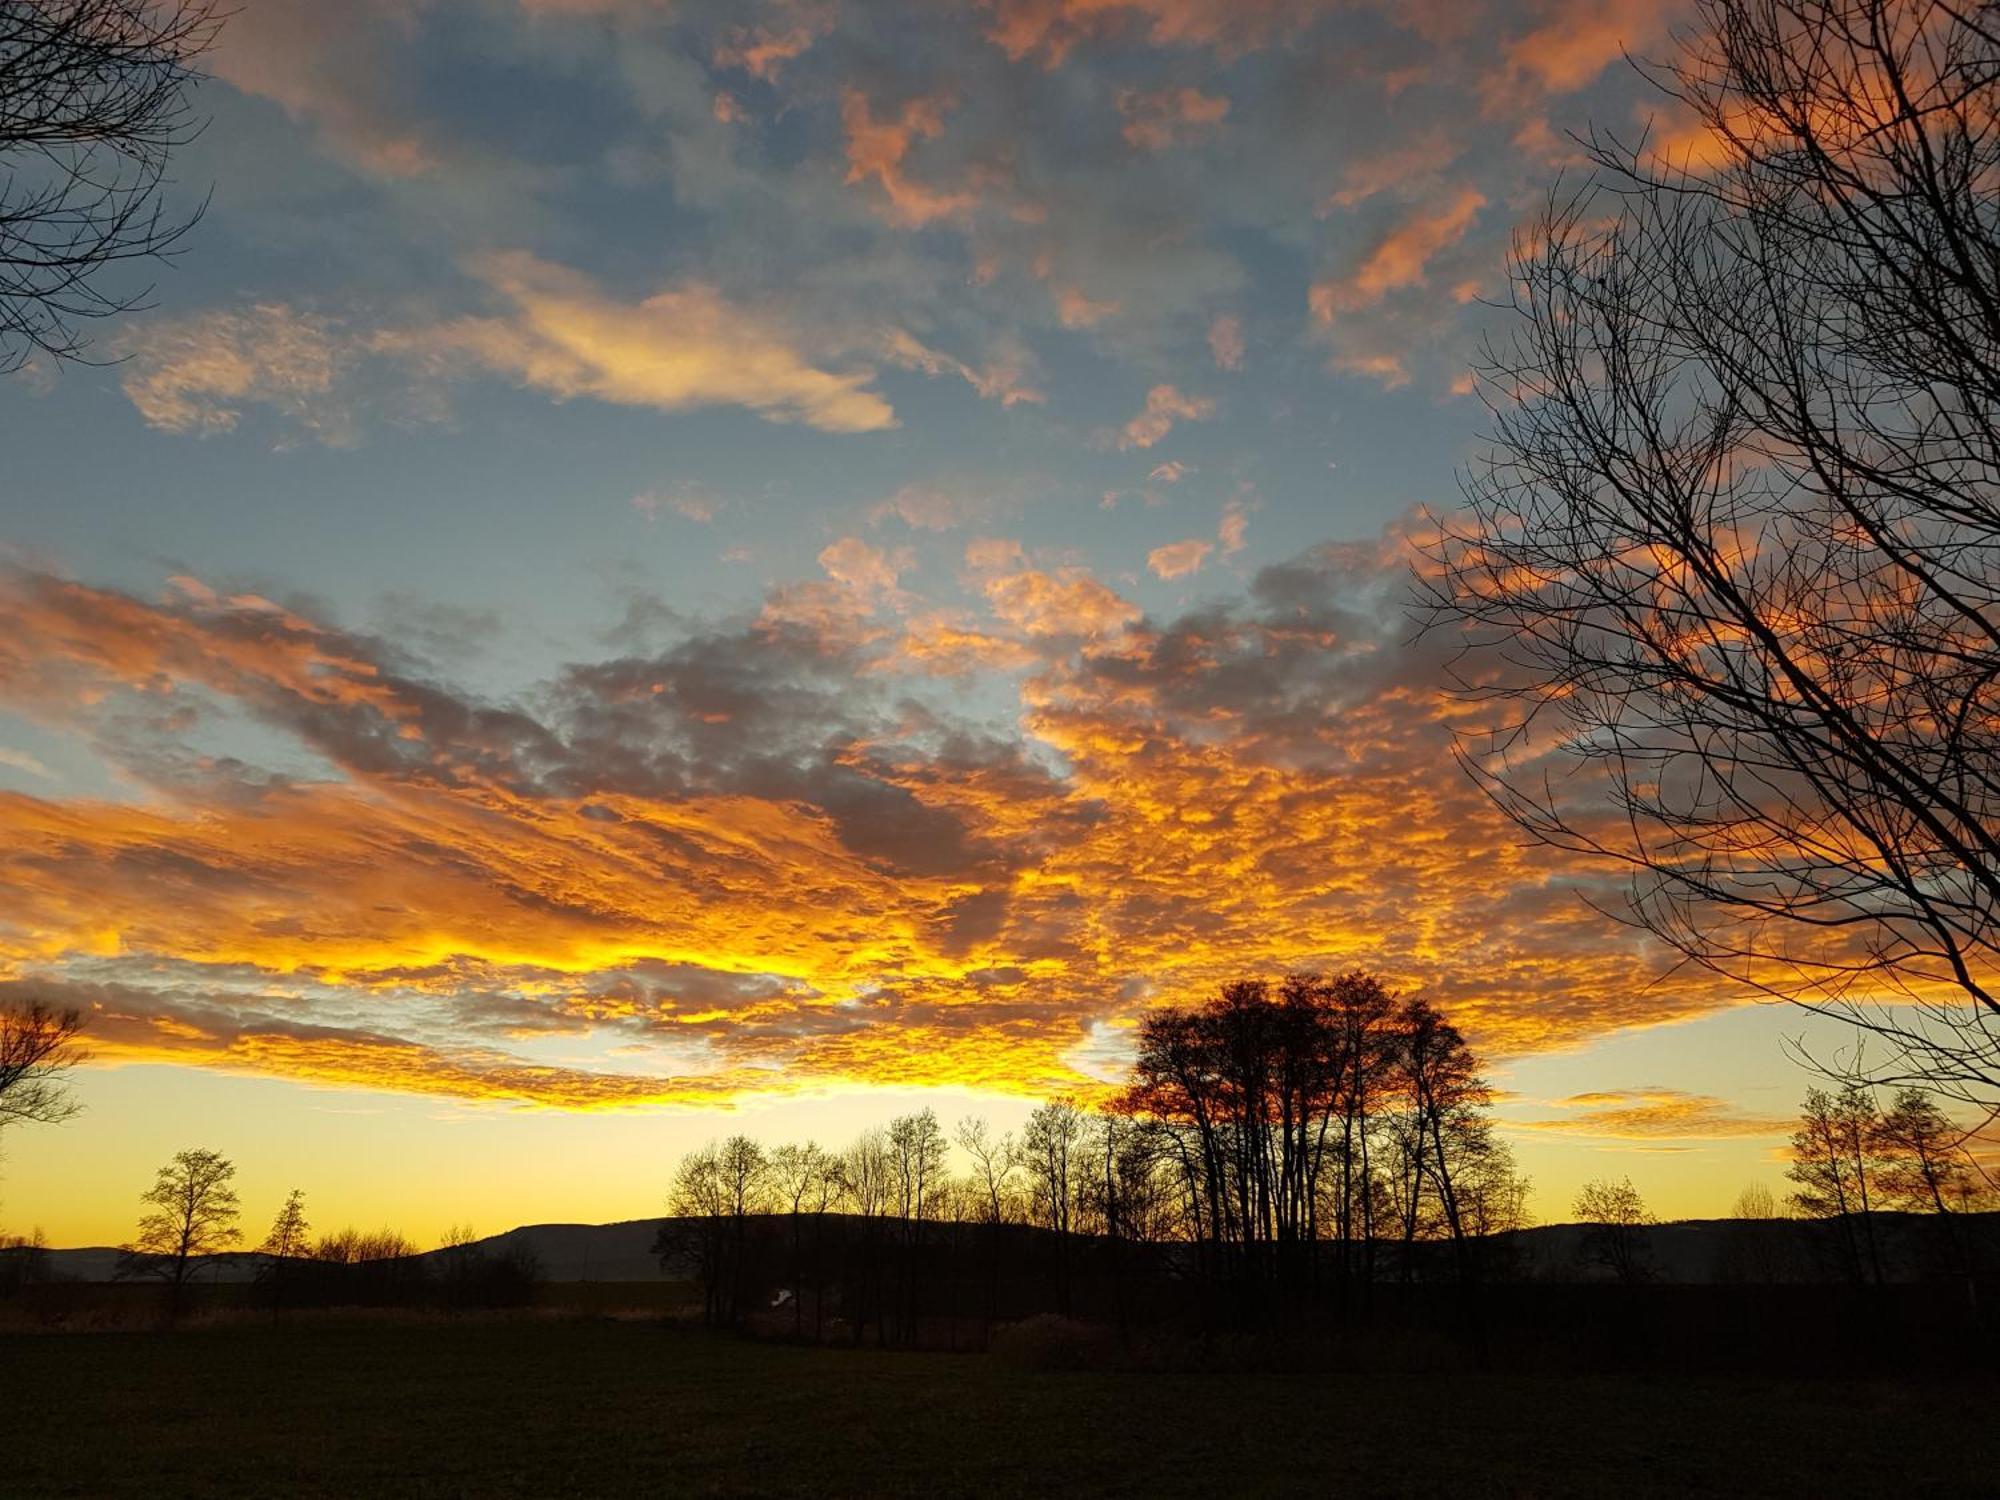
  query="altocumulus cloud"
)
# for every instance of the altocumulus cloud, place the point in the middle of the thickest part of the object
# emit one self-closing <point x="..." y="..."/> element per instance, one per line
<point x="769" y="855"/>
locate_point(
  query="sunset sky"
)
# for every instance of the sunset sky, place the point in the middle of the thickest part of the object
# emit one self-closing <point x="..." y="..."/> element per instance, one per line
<point x="665" y="568"/>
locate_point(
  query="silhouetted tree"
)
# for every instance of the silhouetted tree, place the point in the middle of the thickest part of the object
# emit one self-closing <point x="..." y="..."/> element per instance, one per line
<point x="1615" y="1221"/>
<point x="806" y="1179"/>
<point x="1363" y="1011"/>
<point x="38" y="1046"/>
<point x="995" y="1162"/>
<point x="95" y="95"/>
<point x="1924" y="1166"/>
<point x="288" y="1241"/>
<point x="1284" y="1113"/>
<point x="1833" y="1155"/>
<point x="716" y="1191"/>
<point x="1734" y="554"/>
<point x="918" y="1148"/>
<point x="1756" y="1247"/>
<point x="194" y="1216"/>
<point x="1443" y="1126"/>
<point x="1050" y="1142"/>
<point x="869" y="1175"/>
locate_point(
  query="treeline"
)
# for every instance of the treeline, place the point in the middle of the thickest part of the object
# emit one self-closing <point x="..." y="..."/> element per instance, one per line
<point x="192" y="1225"/>
<point x="1280" y="1151"/>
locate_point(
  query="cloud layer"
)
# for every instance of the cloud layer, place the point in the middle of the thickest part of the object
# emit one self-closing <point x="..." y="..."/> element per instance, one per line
<point x="768" y="855"/>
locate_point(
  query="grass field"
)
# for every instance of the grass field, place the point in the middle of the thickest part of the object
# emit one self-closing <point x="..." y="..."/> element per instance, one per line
<point x="540" y="1407"/>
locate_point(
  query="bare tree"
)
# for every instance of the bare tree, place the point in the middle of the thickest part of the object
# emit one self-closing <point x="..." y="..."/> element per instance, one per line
<point x="918" y="1147"/>
<point x="194" y="1216"/>
<point x="1755" y="1202"/>
<point x="95" y="96"/>
<point x="806" y="1179"/>
<point x="1925" y="1167"/>
<point x="1833" y="1157"/>
<point x="1051" y="1145"/>
<point x="288" y="1241"/>
<point x="995" y="1161"/>
<point x="716" y="1191"/>
<point x="1731" y="566"/>
<point x="869" y="1174"/>
<point x="38" y="1046"/>
<point x="1615" y="1220"/>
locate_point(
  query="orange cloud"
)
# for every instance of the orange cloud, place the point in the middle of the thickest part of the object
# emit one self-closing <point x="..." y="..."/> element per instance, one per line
<point x="1051" y="28"/>
<point x="762" y="51"/>
<point x="1179" y="559"/>
<point x="1399" y="260"/>
<point x="1075" y="310"/>
<point x="1156" y="119"/>
<point x="1165" y="405"/>
<point x="877" y="148"/>
<point x="1649" y="1114"/>
<point x="759" y="858"/>
<point x="685" y="347"/>
<point x="1581" y="38"/>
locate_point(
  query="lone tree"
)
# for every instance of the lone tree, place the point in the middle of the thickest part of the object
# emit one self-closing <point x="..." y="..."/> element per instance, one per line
<point x="290" y="1239"/>
<point x="1731" y="564"/>
<point x="194" y="1215"/>
<point x="1615" y="1221"/>
<point x="95" y="95"/>
<point x="38" y="1046"/>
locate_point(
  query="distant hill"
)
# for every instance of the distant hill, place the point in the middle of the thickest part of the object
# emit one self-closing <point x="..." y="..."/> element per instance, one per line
<point x="1688" y="1251"/>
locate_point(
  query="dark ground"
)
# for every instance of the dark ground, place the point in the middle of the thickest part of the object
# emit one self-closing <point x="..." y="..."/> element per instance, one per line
<point x="538" y="1407"/>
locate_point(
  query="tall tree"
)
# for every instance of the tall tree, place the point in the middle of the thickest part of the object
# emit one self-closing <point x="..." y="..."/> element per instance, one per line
<point x="1924" y="1164"/>
<point x="803" y="1177"/>
<point x="995" y="1161"/>
<point x="95" y="96"/>
<point x="918" y="1148"/>
<point x="289" y="1240"/>
<point x="1050" y="1145"/>
<point x="1833" y="1156"/>
<point x="869" y="1173"/>
<point x="716" y="1191"/>
<point x="1732" y="562"/>
<point x="194" y="1216"/>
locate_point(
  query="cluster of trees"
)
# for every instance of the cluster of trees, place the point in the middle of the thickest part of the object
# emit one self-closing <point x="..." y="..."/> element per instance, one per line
<point x="192" y="1222"/>
<point x="1274" y="1142"/>
<point x="1851" y="1159"/>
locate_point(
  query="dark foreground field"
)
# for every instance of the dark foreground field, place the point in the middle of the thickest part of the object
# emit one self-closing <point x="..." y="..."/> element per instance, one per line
<point x="532" y="1407"/>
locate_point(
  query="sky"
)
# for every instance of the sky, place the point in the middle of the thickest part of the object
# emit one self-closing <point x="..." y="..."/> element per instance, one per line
<point x="664" y="568"/>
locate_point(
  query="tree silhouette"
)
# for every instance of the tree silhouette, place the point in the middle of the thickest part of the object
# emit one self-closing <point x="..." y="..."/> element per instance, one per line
<point x="289" y="1240"/>
<point x="1051" y="1142"/>
<point x="918" y="1147"/>
<point x="716" y="1191"/>
<point x="194" y="1216"/>
<point x="95" y="96"/>
<point x="807" y="1181"/>
<point x="1615" y="1220"/>
<point x="1924" y="1164"/>
<point x="1833" y="1156"/>
<point x="38" y="1046"/>
<point x="1731" y="565"/>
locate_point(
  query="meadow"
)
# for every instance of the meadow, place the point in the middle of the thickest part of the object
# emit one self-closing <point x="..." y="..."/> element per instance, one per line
<point x="540" y="1405"/>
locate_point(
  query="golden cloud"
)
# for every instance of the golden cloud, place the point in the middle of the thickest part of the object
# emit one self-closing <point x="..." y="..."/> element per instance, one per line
<point x="761" y="859"/>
